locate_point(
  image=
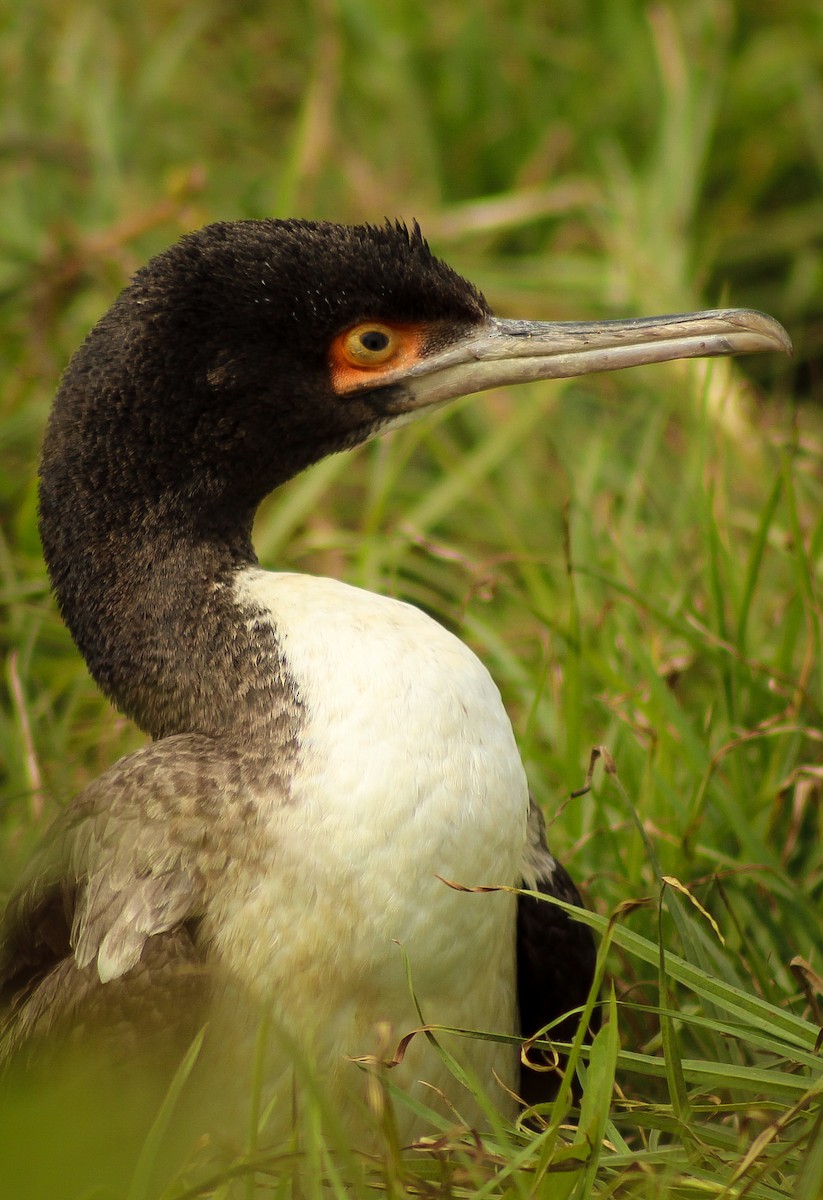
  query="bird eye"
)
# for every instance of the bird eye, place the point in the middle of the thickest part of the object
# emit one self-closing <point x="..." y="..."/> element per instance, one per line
<point x="370" y="345"/>
<point x="360" y="357"/>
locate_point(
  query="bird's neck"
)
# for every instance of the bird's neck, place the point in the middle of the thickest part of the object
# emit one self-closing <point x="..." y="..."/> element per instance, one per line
<point x="149" y="597"/>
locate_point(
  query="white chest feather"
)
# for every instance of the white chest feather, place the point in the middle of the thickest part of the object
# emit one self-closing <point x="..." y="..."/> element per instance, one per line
<point x="407" y="774"/>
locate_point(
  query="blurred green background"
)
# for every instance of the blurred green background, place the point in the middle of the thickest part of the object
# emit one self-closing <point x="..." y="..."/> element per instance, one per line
<point x="637" y="557"/>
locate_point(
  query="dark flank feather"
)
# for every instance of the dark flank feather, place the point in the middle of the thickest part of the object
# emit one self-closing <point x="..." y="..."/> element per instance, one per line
<point x="555" y="960"/>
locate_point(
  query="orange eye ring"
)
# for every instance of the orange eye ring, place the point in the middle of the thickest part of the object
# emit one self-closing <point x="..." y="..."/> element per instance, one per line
<point x="359" y="356"/>
<point x="370" y="345"/>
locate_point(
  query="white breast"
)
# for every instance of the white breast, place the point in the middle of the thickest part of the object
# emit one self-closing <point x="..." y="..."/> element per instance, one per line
<point x="408" y="771"/>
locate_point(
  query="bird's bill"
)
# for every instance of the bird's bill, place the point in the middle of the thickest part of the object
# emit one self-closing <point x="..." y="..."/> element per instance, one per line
<point x="507" y="352"/>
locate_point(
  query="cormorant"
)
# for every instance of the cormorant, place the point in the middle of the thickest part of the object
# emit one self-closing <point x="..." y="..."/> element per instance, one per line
<point x="323" y="759"/>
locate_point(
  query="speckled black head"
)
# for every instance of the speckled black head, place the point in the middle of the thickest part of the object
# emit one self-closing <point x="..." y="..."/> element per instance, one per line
<point x="208" y="378"/>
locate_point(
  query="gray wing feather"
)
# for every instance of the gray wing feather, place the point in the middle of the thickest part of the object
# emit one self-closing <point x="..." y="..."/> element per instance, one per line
<point x="116" y="893"/>
<point x="111" y="925"/>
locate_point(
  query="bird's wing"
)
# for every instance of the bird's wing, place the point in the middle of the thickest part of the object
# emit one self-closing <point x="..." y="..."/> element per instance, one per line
<point x="103" y="930"/>
<point x="555" y="955"/>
